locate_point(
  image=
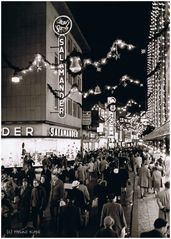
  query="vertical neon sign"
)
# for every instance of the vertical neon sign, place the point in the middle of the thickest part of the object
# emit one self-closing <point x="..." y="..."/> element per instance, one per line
<point x="61" y="26"/>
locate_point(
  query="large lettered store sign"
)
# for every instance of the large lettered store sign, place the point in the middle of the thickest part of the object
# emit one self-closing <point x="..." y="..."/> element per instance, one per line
<point x="61" y="26"/>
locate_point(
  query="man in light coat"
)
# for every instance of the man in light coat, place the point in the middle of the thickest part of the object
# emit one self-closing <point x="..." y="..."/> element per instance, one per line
<point x="144" y="177"/>
<point x="163" y="201"/>
<point x="114" y="210"/>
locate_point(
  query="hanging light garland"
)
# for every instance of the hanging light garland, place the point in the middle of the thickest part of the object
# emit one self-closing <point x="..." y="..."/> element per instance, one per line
<point x="74" y="61"/>
<point x="126" y="79"/>
<point x="113" y="53"/>
<point x="97" y="90"/>
<point x="130" y="103"/>
<point x="75" y="57"/>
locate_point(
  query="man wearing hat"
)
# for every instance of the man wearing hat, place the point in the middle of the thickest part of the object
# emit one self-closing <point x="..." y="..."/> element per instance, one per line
<point x="78" y="196"/>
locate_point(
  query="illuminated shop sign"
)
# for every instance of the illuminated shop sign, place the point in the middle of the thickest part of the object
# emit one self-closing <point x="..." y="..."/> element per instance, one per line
<point x="62" y="132"/>
<point x="62" y="75"/>
<point x="37" y="132"/>
<point x="17" y="131"/>
<point x="61" y="26"/>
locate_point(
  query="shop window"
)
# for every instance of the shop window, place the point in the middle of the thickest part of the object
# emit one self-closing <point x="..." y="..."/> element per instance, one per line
<point x="69" y="106"/>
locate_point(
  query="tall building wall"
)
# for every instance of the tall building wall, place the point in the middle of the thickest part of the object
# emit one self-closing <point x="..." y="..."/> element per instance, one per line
<point x="30" y="32"/>
<point x="158" y="65"/>
<point x="23" y="35"/>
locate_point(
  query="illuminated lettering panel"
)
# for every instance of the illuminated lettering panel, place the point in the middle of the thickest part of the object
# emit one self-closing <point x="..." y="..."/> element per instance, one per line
<point x="62" y="132"/>
<point x="62" y="75"/>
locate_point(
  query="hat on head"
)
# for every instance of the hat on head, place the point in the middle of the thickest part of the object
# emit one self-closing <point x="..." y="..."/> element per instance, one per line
<point x="75" y="184"/>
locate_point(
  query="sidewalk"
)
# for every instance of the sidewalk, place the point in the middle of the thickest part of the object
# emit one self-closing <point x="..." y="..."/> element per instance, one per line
<point x="145" y="211"/>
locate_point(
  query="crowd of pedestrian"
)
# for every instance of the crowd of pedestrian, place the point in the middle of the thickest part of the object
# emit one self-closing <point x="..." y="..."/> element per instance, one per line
<point x="97" y="181"/>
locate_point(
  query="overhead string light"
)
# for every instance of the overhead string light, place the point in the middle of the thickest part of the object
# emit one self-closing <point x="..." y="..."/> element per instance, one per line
<point x="130" y="103"/>
<point x="126" y="79"/>
<point x="98" y="90"/>
<point x="113" y="53"/>
<point x="40" y="61"/>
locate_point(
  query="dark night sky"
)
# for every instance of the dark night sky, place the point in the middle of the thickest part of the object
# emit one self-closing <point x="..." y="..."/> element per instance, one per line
<point x="101" y="24"/>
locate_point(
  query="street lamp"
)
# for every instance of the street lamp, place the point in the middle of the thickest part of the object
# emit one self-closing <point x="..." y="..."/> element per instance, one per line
<point x="16" y="78"/>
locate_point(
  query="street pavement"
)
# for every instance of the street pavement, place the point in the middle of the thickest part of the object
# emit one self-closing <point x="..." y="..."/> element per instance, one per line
<point x="145" y="212"/>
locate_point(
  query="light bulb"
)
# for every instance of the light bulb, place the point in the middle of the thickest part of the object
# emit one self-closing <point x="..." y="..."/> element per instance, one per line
<point x="16" y="79"/>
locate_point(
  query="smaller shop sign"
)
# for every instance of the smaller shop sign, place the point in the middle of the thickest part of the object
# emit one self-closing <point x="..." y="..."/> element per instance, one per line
<point x="63" y="132"/>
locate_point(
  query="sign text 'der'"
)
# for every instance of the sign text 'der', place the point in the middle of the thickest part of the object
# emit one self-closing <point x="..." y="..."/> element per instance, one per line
<point x="17" y="131"/>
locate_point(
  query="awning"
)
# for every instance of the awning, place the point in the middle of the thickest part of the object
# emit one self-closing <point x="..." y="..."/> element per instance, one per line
<point x="160" y="132"/>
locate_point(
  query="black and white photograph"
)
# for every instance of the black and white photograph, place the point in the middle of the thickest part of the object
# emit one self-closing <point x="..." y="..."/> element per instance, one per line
<point x="85" y="119"/>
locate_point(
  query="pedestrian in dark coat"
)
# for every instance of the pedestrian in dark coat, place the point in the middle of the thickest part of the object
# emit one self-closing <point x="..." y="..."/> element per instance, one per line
<point x="57" y="194"/>
<point x="6" y="210"/>
<point x="70" y="220"/>
<point x="38" y="198"/>
<point x="24" y="203"/>
<point x="78" y="196"/>
<point x="160" y="229"/>
<point x="47" y="186"/>
<point x="100" y="191"/>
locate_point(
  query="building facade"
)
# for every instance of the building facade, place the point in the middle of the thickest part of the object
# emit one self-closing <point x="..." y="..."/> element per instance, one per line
<point x="30" y="112"/>
<point x="158" y="71"/>
<point x="158" y="60"/>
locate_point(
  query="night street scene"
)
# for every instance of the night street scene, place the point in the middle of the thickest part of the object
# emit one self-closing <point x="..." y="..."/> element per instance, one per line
<point x="85" y="125"/>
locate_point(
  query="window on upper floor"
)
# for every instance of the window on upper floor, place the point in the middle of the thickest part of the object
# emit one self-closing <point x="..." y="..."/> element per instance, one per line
<point x="69" y="45"/>
<point x="56" y="104"/>
<point x="69" y="106"/>
<point x="79" y="82"/>
<point x="56" y="59"/>
<point x="70" y="79"/>
<point x="74" y="109"/>
<point x="75" y="80"/>
<point x="79" y="111"/>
